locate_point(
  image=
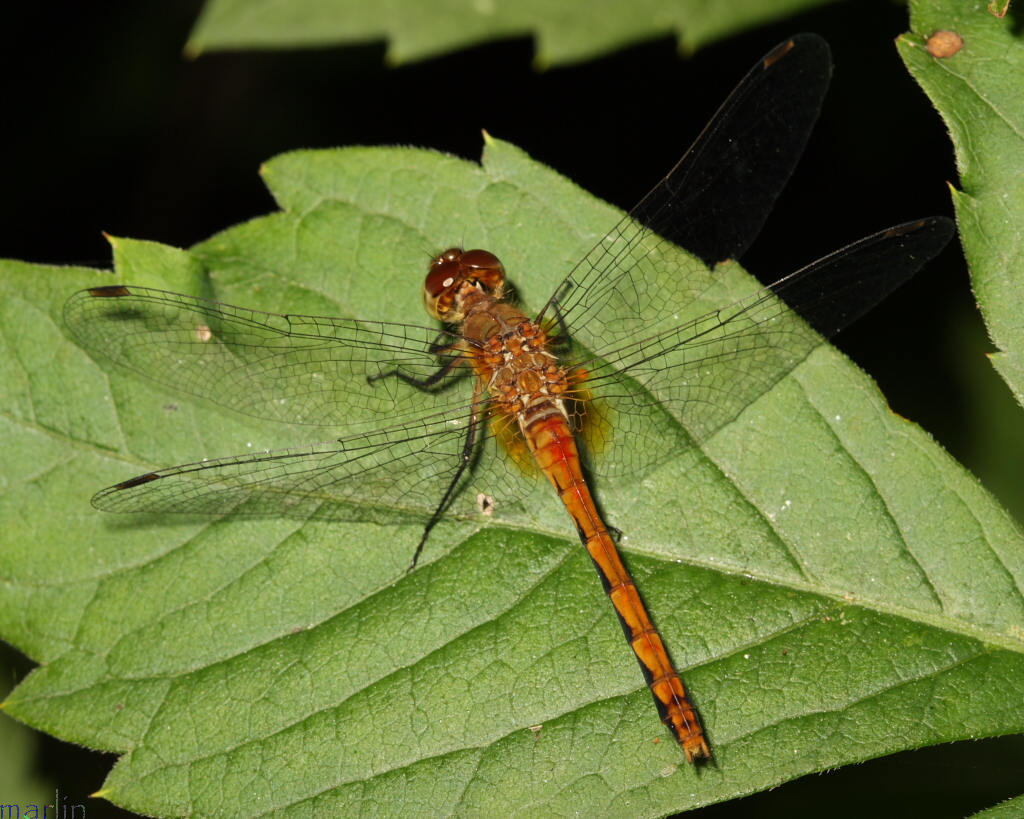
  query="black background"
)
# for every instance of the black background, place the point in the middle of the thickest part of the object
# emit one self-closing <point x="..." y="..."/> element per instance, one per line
<point x="108" y="128"/>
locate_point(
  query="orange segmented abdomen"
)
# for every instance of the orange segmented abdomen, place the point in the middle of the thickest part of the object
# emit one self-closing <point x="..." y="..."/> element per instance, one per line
<point x="550" y="440"/>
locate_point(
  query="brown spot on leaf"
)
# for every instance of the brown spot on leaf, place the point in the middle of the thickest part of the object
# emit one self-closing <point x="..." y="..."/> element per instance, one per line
<point x="944" y="44"/>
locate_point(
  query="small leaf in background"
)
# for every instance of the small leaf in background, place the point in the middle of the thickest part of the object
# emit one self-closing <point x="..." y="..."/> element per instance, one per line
<point x="566" y="31"/>
<point x="1010" y="809"/>
<point x="976" y="88"/>
<point x="19" y="783"/>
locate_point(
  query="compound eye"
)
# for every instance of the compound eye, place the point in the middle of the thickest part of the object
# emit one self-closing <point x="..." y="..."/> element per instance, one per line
<point x="482" y="260"/>
<point x="484" y="269"/>
<point x="441" y="277"/>
<point x="441" y="282"/>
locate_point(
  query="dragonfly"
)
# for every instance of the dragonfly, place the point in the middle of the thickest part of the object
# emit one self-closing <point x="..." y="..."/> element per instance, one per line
<point x="426" y="411"/>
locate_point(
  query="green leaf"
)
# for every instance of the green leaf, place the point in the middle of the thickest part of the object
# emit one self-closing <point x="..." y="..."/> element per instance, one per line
<point x="1007" y="810"/>
<point x="565" y="31"/>
<point x="1010" y="809"/>
<point x="19" y="784"/>
<point x="977" y="92"/>
<point x="831" y="584"/>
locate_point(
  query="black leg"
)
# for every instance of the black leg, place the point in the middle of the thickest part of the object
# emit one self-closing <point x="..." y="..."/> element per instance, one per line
<point x="436" y="348"/>
<point x="464" y="461"/>
<point x="561" y="341"/>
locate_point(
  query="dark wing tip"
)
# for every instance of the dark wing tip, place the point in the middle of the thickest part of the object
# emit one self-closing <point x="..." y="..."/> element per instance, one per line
<point x="107" y="500"/>
<point x="110" y="291"/>
<point x="942" y="227"/>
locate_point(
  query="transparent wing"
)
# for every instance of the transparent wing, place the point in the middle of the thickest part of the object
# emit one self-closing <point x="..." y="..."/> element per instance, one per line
<point x="705" y="371"/>
<point x="713" y="203"/>
<point x="289" y="368"/>
<point x="388" y="475"/>
<point x="624" y="306"/>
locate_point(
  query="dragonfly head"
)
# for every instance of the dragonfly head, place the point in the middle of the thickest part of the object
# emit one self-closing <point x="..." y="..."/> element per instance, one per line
<point x="457" y="275"/>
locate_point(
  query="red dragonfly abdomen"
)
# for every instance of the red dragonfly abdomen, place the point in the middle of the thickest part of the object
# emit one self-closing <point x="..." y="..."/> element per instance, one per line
<point x="553" y="445"/>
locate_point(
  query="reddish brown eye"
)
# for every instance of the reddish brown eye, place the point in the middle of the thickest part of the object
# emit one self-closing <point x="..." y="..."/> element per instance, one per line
<point x="440" y="284"/>
<point x="481" y="260"/>
<point x="456" y="276"/>
<point x="452" y="254"/>
<point x="484" y="269"/>
<point x="440" y="278"/>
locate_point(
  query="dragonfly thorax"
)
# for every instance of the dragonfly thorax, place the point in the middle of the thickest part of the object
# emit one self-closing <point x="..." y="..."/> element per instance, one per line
<point x="458" y="277"/>
<point x="520" y="373"/>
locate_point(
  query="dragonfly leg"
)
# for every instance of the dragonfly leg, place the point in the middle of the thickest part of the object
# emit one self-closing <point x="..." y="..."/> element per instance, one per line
<point x="427" y="383"/>
<point x="443" y="344"/>
<point x="559" y="341"/>
<point x="465" y="459"/>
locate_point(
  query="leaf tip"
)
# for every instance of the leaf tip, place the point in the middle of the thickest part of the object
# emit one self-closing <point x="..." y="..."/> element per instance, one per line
<point x="192" y="50"/>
